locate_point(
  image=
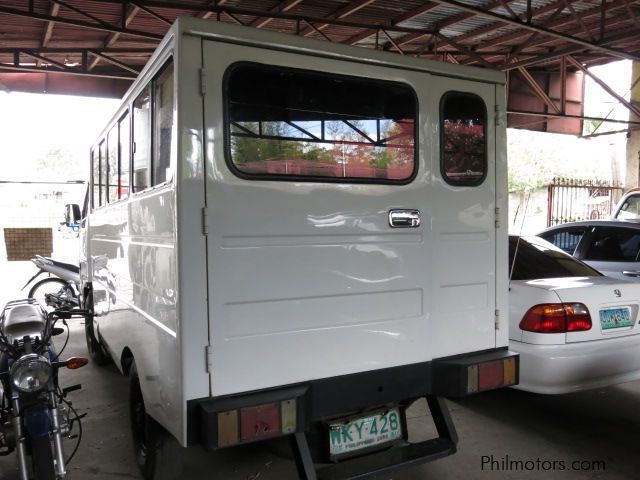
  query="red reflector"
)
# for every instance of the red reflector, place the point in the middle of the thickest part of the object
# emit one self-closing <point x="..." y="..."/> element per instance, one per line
<point x="556" y="318"/>
<point x="259" y="422"/>
<point x="491" y="375"/>
<point x="77" y="362"/>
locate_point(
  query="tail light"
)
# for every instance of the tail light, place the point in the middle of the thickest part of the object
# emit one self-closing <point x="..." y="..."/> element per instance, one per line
<point x="557" y="318"/>
<point x="257" y="422"/>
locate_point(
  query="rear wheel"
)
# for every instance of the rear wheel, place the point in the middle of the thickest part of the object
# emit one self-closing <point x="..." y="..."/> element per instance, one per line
<point x="52" y="285"/>
<point x="42" y="458"/>
<point x="158" y="454"/>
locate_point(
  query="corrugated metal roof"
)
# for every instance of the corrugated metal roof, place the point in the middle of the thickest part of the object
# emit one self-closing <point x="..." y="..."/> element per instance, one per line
<point x="65" y="35"/>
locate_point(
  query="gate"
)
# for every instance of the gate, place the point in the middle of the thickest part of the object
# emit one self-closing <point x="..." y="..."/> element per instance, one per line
<point x="572" y="200"/>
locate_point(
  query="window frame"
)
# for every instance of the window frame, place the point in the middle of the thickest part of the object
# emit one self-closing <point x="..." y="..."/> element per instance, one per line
<point x="169" y="64"/>
<point x="304" y="178"/>
<point x="149" y="86"/>
<point x="113" y="128"/>
<point x="103" y="167"/>
<point x="94" y="155"/>
<point x="443" y="174"/>
<point x="126" y="116"/>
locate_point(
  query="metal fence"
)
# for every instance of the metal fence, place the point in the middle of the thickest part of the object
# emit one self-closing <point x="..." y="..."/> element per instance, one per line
<point x="572" y="200"/>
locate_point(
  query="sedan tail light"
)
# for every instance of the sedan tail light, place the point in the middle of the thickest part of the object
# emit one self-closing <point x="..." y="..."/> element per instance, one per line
<point x="557" y="318"/>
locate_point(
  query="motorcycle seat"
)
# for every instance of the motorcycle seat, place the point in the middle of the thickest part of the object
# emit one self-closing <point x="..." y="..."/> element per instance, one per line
<point x="23" y="318"/>
<point x="66" y="266"/>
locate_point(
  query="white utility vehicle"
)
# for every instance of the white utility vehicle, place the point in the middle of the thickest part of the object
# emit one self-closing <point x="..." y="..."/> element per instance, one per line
<point x="287" y="237"/>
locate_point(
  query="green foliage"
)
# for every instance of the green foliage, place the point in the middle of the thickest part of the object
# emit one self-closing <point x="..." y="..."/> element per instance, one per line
<point x="535" y="158"/>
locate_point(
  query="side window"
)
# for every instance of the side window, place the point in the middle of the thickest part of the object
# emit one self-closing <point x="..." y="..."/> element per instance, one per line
<point x="95" y="171"/>
<point x="630" y="210"/>
<point x="112" y="164"/>
<point x="302" y="124"/>
<point x="614" y="245"/>
<point x="125" y="155"/>
<point x="142" y="141"/>
<point x="463" y="143"/>
<point x="103" y="173"/>
<point x="163" y="122"/>
<point x="566" y="240"/>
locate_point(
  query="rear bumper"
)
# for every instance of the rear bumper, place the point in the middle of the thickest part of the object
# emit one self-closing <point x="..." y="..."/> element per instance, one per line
<point x="327" y="398"/>
<point x="557" y="369"/>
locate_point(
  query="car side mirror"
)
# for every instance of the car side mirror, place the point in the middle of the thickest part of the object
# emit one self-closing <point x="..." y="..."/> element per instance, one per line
<point x="71" y="214"/>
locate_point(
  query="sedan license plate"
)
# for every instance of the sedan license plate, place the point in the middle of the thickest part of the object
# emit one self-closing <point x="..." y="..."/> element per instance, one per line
<point x="615" y="318"/>
<point x="374" y="430"/>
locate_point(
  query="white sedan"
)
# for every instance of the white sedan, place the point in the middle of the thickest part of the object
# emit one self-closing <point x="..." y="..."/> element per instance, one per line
<point x="574" y="328"/>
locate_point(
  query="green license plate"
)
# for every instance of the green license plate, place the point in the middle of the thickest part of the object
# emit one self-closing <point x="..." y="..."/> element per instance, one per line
<point x="615" y="318"/>
<point x="374" y="430"/>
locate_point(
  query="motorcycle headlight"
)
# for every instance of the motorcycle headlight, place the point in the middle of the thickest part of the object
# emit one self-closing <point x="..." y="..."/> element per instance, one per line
<point x="30" y="373"/>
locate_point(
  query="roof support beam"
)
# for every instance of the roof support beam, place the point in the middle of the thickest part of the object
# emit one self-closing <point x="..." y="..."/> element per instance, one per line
<point x="209" y="13"/>
<point x="606" y="87"/>
<point x="217" y="8"/>
<point x="548" y="23"/>
<point x="539" y="91"/>
<point x="580" y="21"/>
<point x="155" y="15"/>
<point x="78" y="23"/>
<point x="534" y="28"/>
<point x="129" y="13"/>
<point x="42" y="59"/>
<point x="80" y="50"/>
<point x="576" y="117"/>
<point x="342" y="12"/>
<point x="369" y="32"/>
<point x="284" y="6"/>
<point x="11" y="68"/>
<point x="490" y="28"/>
<point x="113" y="61"/>
<point x="464" y="49"/>
<point x="631" y="13"/>
<point x="48" y="29"/>
<point x="628" y="35"/>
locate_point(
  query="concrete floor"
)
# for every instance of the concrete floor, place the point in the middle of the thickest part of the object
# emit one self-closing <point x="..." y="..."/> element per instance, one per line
<point x="600" y="425"/>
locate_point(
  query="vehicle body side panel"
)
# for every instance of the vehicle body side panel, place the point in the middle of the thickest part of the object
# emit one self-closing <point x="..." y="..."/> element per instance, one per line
<point x="133" y="269"/>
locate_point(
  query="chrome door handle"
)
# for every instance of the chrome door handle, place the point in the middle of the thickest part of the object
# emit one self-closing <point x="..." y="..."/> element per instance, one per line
<point x="631" y="274"/>
<point x="399" y="218"/>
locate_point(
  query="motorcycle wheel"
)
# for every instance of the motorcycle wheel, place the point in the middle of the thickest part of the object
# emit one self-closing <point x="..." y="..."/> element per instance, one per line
<point x="44" y="286"/>
<point x="158" y="454"/>
<point x="97" y="352"/>
<point x="42" y="458"/>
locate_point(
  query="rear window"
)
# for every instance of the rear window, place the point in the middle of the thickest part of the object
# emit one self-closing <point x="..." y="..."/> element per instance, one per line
<point x="299" y="124"/>
<point x="539" y="259"/>
<point x="463" y="142"/>
<point x="566" y="240"/>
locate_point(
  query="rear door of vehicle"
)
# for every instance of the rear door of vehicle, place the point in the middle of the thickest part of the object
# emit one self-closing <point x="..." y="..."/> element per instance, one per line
<point x="307" y="276"/>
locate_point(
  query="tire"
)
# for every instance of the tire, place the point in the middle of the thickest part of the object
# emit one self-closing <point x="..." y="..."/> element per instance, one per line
<point x="44" y="286"/>
<point x="42" y="458"/>
<point x="158" y="454"/>
<point x="97" y="352"/>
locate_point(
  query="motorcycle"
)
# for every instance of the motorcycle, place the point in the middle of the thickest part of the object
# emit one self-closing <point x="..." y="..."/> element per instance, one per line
<point x="35" y="414"/>
<point x="63" y="284"/>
